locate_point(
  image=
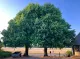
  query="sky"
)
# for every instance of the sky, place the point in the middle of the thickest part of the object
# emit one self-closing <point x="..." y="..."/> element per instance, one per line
<point x="70" y="10"/>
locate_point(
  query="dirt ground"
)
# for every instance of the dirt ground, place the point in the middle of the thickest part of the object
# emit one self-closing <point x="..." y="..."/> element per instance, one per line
<point x="73" y="57"/>
<point x="40" y="58"/>
<point x="38" y="52"/>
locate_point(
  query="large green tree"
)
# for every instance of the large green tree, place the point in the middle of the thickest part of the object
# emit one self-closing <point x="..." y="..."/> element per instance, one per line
<point x="52" y="30"/>
<point x="38" y="25"/>
<point x="21" y="29"/>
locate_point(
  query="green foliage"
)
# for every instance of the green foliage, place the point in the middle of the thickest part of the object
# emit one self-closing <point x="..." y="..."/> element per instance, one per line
<point x="69" y="53"/>
<point x="52" y="29"/>
<point x="1" y="45"/>
<point x="38" y="25"/>
<point x="5" y="54"/>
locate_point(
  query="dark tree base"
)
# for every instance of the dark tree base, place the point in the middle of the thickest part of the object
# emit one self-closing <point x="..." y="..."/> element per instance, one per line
<point x="45" y="55"/>
<point x="45" y="52"/>
<point x="26" y="55"/>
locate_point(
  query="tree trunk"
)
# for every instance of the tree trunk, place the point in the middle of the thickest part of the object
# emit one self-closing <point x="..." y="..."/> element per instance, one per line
<point x="45" y="52"/>
<point x="26" y="51"/>
<point x="73" y="50"/>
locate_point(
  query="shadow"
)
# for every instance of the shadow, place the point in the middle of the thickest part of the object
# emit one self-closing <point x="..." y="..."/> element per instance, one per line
<point x="29" y="57"/>
<point x="41" y="57"/>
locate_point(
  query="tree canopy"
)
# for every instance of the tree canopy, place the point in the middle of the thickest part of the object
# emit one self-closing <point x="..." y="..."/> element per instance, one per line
<point x="39" y="25"/>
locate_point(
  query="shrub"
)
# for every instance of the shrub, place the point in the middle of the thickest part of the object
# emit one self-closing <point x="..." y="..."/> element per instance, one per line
<point x="5" y="54"/>
<point x="69" y="53"/>
<point x="1" y="45"/>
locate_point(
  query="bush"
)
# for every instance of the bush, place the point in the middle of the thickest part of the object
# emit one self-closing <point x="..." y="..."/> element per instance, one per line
<point x="5" y="54"/>
<point x="1" y="45"/>
<point x="69" y="53"/>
